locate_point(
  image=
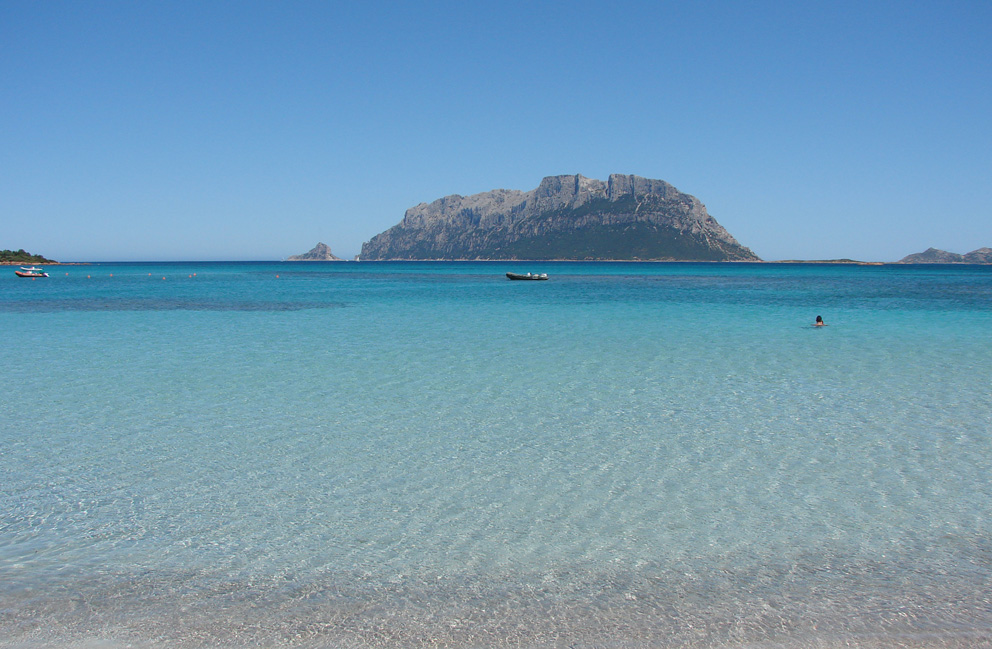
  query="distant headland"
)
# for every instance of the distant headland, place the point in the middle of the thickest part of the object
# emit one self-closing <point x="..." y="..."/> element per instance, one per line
<point x="21" y="257"/>
<point x="566" y="218"/>
<point x="935" y="256"/>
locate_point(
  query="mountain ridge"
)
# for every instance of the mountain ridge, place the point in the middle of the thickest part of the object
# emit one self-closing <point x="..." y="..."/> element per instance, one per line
<point x="937" y="256"/>
<point x="567" y="217"/>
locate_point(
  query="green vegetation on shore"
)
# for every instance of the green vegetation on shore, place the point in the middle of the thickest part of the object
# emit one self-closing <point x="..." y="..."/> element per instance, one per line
<point x="21" y="257"/>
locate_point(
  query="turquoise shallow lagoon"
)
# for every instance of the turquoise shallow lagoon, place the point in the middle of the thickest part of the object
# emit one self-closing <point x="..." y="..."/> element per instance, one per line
<point x="429" y="455"/>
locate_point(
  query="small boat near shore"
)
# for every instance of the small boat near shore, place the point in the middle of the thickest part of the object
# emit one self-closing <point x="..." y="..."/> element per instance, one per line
<point x="530" y="276"/>
<point x="31" y="272"/>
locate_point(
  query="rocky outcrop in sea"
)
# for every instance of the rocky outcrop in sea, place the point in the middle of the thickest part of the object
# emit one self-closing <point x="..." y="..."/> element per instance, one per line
<point x="565" y="218"/>
<point x="320" y="252"/>
<point x="936" y="256"/>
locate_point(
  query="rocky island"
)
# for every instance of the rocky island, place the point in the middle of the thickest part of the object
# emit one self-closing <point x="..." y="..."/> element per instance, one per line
<point x="935" y="256"/>
<point x="320" y="252"/>
<point x="626" y="218"/>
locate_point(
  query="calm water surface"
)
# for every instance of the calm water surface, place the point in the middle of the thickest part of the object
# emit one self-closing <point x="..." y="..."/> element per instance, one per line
<point x="429" y="455"/>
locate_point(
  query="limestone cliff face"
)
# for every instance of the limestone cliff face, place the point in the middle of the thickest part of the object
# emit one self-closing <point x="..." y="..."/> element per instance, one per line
<point x="566" y="217"/>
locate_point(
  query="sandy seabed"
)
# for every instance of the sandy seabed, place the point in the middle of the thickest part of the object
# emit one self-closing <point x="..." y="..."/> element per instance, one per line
<point x="629" y="614"/>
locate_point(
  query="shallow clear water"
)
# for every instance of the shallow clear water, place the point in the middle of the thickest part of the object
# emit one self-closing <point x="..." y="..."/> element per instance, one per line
<point x="426" y="454"/>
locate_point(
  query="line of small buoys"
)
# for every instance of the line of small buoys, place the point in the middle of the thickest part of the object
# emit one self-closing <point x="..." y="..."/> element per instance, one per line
<point x="149" y="274"/>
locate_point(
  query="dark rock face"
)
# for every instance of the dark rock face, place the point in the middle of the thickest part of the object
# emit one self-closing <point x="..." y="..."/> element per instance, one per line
<point x="935" y="256"/>
<point x="320" y="252"/>
<point x="566" y="217"/>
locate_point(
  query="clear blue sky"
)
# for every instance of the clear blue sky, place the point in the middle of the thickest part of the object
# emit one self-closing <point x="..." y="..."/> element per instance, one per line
<point x="252" y="130"/>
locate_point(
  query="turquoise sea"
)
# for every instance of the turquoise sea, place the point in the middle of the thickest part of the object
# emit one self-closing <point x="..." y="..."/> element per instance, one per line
<point x="345" y="455"/>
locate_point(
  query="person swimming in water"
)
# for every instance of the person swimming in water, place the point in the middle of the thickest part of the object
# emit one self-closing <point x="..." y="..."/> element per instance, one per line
<point x="819" y="322"/>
